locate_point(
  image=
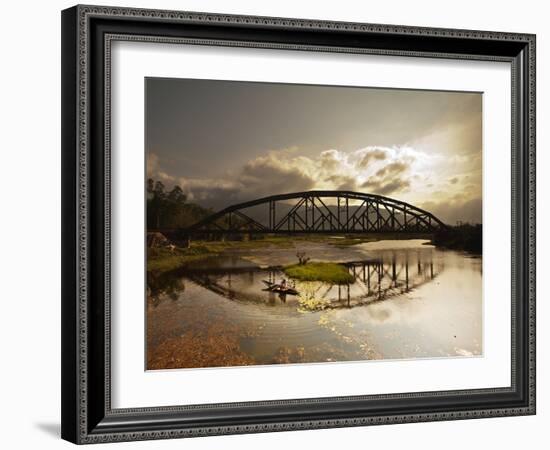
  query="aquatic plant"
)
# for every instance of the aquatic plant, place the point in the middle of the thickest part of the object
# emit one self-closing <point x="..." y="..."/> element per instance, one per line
<point x="312" y="304"/>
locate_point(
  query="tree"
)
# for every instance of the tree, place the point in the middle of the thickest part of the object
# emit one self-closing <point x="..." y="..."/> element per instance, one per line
<point x="157" y="202"/>
<point x="169" y="209"/>
<point x="176" y="195"/>
<point x="158" y="190"/>
<point x="302" y="259"/>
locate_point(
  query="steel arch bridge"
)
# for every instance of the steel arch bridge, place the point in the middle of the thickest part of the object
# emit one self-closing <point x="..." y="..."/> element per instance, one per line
<point x="320" y="212"/>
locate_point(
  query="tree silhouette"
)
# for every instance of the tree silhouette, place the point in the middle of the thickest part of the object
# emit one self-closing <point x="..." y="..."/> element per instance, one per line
<point x="170" y="209"/>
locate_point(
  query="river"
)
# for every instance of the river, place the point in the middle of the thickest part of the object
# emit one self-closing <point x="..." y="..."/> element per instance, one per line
<point x="409" y="300"/>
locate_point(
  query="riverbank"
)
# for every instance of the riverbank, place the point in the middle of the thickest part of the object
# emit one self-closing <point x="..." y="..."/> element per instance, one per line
<point x="162" y="259"/>
<point x="465" y="237"/>
<point x="267" y="250"/>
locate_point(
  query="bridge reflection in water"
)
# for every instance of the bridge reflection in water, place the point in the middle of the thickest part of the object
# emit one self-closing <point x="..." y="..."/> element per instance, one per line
<point x="407" y="300"/>
<point x="391" y="274"/>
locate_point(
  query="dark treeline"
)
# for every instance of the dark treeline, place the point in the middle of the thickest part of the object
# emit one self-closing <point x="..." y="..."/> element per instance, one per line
<point x="170" y="209"/>
<point x="461" y="237"/>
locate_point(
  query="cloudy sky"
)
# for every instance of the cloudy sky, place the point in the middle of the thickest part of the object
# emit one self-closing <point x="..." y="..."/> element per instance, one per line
<point x="224" y="142"/>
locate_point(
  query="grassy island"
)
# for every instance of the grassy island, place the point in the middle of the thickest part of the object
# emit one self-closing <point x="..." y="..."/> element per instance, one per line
<point x="320" y="271"/>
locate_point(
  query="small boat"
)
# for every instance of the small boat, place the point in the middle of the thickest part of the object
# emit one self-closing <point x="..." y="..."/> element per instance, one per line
<point x="274" y="287"/>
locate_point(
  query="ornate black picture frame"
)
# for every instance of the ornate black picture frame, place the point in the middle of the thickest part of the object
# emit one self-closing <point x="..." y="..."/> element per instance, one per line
<point x="87" y="34"/>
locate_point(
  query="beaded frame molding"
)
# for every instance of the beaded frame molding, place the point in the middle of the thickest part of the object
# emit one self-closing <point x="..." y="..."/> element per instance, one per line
<point x="87" y="35"/>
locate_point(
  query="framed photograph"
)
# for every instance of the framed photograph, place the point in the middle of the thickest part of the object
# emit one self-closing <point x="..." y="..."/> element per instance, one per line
<point x="279" y="224"/>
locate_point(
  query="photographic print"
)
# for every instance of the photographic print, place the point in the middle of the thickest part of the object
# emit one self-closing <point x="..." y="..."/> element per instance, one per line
<point x="291" y="223"/>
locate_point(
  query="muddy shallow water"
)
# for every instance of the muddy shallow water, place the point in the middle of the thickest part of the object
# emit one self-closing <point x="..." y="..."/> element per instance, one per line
<point x="408" y="300"/>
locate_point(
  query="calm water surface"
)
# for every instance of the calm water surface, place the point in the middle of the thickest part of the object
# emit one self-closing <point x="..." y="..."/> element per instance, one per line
<point x="409" y="300"/>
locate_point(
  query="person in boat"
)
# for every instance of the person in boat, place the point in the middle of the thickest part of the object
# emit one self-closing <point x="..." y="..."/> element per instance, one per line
<point x="282" y="284"/>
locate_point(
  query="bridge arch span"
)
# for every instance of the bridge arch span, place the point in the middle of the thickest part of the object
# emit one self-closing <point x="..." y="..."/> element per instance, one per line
<point x="320" y="211"/>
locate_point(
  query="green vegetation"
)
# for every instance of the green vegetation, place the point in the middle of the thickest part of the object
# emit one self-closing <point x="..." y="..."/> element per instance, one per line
<point x="349" y="241"/>
<point x="320" y="271"/>
<point x="268" y="241"/>
<point x="170" y="209"/>
<point x="282" y="241"/>
<point x="163" y="260"/>
<point x="461" y="237"/>
<point x="289" y="241"/>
